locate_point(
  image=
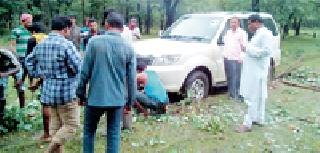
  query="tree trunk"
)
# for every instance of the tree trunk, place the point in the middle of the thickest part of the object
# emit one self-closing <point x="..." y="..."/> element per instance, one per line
<point x="170" y="9"/>
<point x="139" y="17"/>
<point x="285" y="30"/>
<point x="162" y="22"/>
<point x="148" y="19"/>
<point x="255" y="6"/>
<point x="127" y="11"/>
<point x="297" y="28"/>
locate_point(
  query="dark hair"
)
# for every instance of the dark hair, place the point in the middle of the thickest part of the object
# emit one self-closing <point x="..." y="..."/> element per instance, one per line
<point x="115" y="20"/>
<point x="36" y="27"/>
<point x="72" y="16"/>
<point x="254" y="18"/>
<point x="60" y="22"/>
<point x="92" y="20"/>
<point x="106" y="13"/>
<point x="141" y="66"/>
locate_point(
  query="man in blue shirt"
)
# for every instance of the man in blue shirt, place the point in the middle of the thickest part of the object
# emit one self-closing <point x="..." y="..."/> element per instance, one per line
<point x="109" y="66"/>
<point x="151" y="92"/>
<point x="57" y="62"/>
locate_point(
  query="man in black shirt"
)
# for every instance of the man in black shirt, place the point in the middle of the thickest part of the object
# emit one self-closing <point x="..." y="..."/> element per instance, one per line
<point x="9" y="65"/>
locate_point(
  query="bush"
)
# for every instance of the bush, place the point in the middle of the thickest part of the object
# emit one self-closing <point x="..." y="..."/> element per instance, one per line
<point x="25" y="119"/>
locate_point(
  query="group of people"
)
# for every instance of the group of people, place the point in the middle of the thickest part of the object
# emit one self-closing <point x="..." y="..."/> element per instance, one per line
<point x="111" y="73"/>
<point x="54" y="64"/>
<point x="246" y="67"/>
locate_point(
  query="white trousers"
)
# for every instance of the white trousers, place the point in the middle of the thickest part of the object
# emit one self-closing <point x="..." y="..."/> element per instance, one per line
<point x="256" y="110"/>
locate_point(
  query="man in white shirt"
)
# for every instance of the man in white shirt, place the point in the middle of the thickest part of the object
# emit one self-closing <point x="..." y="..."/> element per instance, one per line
<point x="235" y="42"/>
<point x="253" y="86"/>
<point x="135" y="30"/>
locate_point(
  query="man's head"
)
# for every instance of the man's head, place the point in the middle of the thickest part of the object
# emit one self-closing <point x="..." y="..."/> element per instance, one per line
<point x="92" y="24"/>
<point x="62" y="24"/>
<point x="133" y="21"/>
<point x="73" y="19"/>
<point x="26" y="20"/>
<point x="86" y="21"/>
<point x="106" y="13"/>
<point x="234" y="23"/>
<point x="36" y="28"/>
<point x="114" y="22"/>
<point x="254" y="22"/>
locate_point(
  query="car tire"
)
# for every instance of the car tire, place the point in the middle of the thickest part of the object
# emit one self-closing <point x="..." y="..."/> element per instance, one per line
<point x="196" y="86"/>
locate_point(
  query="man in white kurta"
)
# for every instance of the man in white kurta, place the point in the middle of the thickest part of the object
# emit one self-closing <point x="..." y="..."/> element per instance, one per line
<point x="253" y="86"/>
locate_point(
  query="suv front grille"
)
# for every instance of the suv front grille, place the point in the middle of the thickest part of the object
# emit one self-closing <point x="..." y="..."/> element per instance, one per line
<point x="144" y="60"/>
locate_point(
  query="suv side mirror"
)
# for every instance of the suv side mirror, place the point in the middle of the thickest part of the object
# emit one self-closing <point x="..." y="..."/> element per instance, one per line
<point x="220" y="41"/>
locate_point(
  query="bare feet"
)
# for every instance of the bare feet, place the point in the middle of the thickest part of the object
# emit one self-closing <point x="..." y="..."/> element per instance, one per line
<point x="45" y="138"/>
<point x="243" y="129"/>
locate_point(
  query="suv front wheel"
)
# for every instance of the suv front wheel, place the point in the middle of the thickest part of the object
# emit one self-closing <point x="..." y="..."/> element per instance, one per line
<point x="196" y="86"/>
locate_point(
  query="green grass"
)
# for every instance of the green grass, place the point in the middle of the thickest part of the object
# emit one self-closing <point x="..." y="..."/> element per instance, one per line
<point x="293" y="117"/>
<point x="4" y="40"/>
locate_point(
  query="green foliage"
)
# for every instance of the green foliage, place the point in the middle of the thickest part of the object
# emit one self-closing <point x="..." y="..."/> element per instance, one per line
<point x="26" y="119"/>
<point x="305" y="76"/>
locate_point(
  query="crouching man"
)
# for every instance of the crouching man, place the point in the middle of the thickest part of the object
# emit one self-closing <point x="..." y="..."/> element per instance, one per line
<point x="151" y="92"/>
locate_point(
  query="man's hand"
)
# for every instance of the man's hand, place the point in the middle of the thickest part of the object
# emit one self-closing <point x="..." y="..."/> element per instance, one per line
<point x="2" y="75"/>
<point x="19" y="83"/>
<point x="82" y="101"/>
<point x="13" y="46"/>
<point x="127" y="108"/>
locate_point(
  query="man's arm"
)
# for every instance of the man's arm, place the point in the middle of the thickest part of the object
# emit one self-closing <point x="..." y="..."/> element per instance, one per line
<point x="244" y="40"/>
<point x="31" y="62"/>
<point x="11" y="72"/>
<point x="131" y="76"/>
<point x="86" y="72"/>
<point x="13" y="41"/>
<point x="261" y="51"/>
<point x="73" y="58"/>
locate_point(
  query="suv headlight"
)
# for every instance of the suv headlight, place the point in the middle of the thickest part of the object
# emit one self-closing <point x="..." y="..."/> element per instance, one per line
<point x="165" y="60"/>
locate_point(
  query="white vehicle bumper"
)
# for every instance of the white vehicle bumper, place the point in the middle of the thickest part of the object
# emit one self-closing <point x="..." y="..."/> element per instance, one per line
<point x="172" y="77"/>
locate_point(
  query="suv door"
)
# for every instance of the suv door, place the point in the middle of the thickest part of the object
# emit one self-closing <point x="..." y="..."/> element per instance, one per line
<point x="220" y="46"/>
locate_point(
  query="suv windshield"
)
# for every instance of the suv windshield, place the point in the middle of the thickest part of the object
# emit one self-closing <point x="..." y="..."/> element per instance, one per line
<point x="196" y="28"/>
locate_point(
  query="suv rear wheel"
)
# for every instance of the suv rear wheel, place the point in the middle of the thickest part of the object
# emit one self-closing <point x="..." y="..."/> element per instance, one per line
<point x="197" y="86"/>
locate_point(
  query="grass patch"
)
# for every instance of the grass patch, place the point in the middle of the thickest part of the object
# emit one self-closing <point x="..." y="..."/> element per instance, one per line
<point x="4" y="40"/>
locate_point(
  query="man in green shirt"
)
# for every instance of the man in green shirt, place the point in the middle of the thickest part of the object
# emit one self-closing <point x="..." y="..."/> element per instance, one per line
<point x="19" y="42"/>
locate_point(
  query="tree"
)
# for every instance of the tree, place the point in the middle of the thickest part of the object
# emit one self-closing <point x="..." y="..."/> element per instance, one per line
<point x="171" y="10"/>
<point x="255" y="6"/>
<point x="148" y="18"/>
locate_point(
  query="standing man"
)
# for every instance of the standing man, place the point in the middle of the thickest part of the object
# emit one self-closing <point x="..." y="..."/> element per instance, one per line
<point x="19" y="42"/>
<point x="93" y="30"/>
<point x="57" y="62"/>
<point x="235" y="42"/>
<point x="109" y="66"/>
<point x="126" y="33"/>
<point x="9" y="65"/>
<point x="37" y="36"/>
<point x="254" y="73"/>
<point x="75" y="32"/>
<point x="134" y="28"/>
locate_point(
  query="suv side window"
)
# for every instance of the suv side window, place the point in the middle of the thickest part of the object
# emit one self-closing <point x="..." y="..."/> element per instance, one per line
<point x="268" y="23"/>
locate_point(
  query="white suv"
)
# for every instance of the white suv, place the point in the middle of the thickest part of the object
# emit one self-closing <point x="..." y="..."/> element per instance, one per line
<point x="188" y="55"/>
